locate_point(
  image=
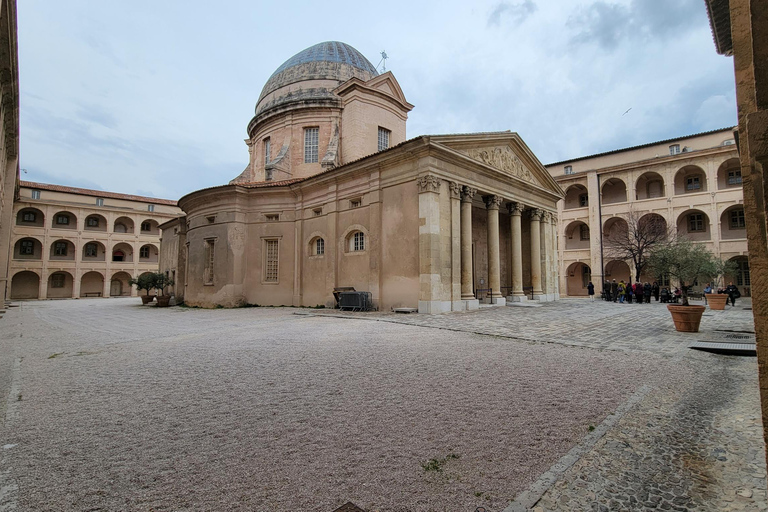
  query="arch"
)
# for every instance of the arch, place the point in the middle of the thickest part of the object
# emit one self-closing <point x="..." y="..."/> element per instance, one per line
<point x="25" y="285"/>
<point x="94" y="251"/>
<point x="64" y="220"/>
<point x="31" y="217"/>
<point x="576" y="197"/>
<point x="741" y="277"/>
<point x="122" y="252"/>
<point x="95" y="222"/>
<point x="694" y="225"/>
<point x="316" y="245"/>
<point x="577" y="278"/>
<point x="614" y="191"/>
<point x="119" y="285"/>
<point x="733" y="223"/>
<point x="62" y="250"/>
<point x="729" y="174"/>
<point x="60" y="285"/>
<point x="123" y="225"/>
<point x="614" y="227"/>
<point x="577" y="235"/>
<point x="690" y="180"/>
<point x="618" y="270"/>
<point x="348" y="238"/>
<point x="149" y="253"/>
<point x="92" y="284"/>
<point x="28" y="248"/>
<point x="653" y="222"/>
<point x="149" y="227"/>
<point x="649" y="185"/>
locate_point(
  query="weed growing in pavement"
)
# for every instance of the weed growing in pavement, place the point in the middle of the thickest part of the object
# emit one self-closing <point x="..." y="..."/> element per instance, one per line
<point x="436" y="465"/>
<point x="591" y="428"/>
<point x="55" y="355"/>
<point x="18" y="398"/>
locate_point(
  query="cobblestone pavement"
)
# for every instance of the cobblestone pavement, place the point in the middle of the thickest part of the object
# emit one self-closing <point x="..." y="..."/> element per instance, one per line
<point x="108" y="405"/>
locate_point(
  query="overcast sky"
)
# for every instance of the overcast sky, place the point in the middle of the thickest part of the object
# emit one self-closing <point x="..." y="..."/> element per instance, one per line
<point x="153" y="97"/>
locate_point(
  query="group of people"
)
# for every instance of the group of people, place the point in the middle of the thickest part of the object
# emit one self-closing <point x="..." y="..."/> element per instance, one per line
<point x="641" y="292"/>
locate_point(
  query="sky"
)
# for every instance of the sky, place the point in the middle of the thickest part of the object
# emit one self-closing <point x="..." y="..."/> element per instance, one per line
<point x="153" y="97"/>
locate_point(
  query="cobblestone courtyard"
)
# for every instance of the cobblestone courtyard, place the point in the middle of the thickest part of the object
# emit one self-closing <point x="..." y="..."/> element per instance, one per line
<point x="108" y="405"/>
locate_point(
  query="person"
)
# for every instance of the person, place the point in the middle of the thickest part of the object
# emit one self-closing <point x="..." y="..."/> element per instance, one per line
<point x="614" y="290"/>
<point x="647" y="292"/>
<point x="664" y="295"/>
<point x="620" y="290"/>
<point x="591" y="291"/>
<point x="628" y="293"/>
<point x="707" y="289"/>
<point x="733" y="294"/>
<point x="656" y="290"/>
<point x="678" y="294"/>
<point x="639" y="292"/>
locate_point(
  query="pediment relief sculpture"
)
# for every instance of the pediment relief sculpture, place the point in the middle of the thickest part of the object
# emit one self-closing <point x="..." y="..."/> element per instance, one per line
<point x="503" y="159"/>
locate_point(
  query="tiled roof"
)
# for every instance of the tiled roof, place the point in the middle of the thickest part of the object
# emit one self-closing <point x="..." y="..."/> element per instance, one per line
<point x="95" y="193"/>
<point x="719" y="12"/>
<point x="638" y="147"/>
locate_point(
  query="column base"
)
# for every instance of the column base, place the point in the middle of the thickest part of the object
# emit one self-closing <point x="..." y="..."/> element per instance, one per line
<point x="472" y="304"/>
<point x="546" y="297"/>
<point x="433" y="307"/>
<point x="517" y="298"/>
<point x="498" y="301"/>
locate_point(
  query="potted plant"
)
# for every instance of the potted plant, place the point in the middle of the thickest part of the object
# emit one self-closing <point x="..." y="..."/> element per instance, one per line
<point x="717" y="301"/>
<point x="146" y="282"/>
<point x="162" y="281"/>
<point x="684" y="261"/>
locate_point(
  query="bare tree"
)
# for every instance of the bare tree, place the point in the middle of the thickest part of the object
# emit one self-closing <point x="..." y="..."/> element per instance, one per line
<point x="636" y="240"/>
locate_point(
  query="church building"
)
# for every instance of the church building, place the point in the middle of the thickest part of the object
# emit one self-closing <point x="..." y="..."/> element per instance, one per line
<point x="334" y="195"/>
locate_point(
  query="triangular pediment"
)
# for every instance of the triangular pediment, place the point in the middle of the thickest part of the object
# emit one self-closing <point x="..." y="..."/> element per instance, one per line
<point x="504" y="152"/>
<point x="384" y="84"/>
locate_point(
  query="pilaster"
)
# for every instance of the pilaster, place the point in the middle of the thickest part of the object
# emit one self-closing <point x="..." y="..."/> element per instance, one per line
<point x="430" y="285"/>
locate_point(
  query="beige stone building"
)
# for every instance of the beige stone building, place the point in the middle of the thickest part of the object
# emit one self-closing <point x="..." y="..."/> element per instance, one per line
<point x="691" y="185"/>
<point x="9" y="131"/>
<point x="334" y="195"/>
<point x="69" y="242"/>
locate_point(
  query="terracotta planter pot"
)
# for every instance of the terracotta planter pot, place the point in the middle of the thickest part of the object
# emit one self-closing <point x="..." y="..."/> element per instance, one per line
<point x="717" y="300"/>
<point x="686" y="318"/>
<point x="163" y="300"/>
<point x="146" y="299"/>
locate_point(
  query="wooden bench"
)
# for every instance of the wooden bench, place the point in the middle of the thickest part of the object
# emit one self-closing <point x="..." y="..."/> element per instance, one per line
<point x="93" y="294"/>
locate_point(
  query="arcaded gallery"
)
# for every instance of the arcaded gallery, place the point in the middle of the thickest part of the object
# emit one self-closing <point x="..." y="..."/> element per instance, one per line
<point x="335" y="196"/>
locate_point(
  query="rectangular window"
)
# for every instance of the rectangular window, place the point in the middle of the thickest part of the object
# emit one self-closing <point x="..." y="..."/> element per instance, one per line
<point x="355" y="203"/>
<point x="150" y="207"/>
<point x="310" y="145"/>
<point x="209" y="255"/>
<point x="60" y="249"/>
<point x="568" y="169"/>
<point x="270" y="274"/>
<point x="272" y="217"/>
<point x="320" y="247"/>
<point x="692" y="183"/>
<point x="92" y="222"/>
<point x="29" y="217"/>
<point x="57" y="281"/>
<point x="144" y="252"/>
<point x="27" y="247"/>
<point x="317" y="212"/>
<point x="696" y="222"/>
<point x="146" y="226"/>
<point x="737" y="219"/>
<point x="99" y="202"/>
<point x="742" y="276"/>
<point x="358" y="242"/>
<point x="35" y="194"/>
<point x="267" y="150"/>
<point x="62" y="219"/>
<point x="674" y="149"/>
<point x="383" y="138"/>
<point x="91" y="250"/>
<point x="734" y="177"/>
<point x="584" y="232"/>
<point x="584" y="200"/>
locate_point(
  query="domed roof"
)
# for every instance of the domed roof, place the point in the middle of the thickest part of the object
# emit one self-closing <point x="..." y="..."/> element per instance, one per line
<point x="330" y="60"/>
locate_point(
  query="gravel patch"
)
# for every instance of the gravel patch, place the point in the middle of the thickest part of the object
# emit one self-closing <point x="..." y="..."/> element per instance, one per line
<point x="260" y="409"/>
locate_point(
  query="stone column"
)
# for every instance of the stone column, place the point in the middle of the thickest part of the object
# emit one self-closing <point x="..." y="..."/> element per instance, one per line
<point x="456" y="303"/>
<point x="467" y="294"/>
<point x="492" y="204"/>
<point x="516" y="232"/>
<point x="546" y="274"/>
<point x="536" y="252"/>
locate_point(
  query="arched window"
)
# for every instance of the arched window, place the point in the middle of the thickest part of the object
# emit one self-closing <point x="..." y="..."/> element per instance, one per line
<point x="357" y="241"/>
<point x="319" y="247"/>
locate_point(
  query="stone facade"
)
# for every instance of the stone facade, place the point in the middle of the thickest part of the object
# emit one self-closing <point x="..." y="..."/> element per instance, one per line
<point x="434" y="223"/>
<point x="68" y="242"/>
<point x="692" y="183"/>
<point x="9" y="131"/>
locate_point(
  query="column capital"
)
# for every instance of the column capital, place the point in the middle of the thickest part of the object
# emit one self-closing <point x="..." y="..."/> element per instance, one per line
<point x="429" y="183"/>
<point x="515" y="208"/>
<point x="492" y="202"/>
<point x="455" y="189"/>
<point x="536" y="214"/>
<point x="467" y="193"/>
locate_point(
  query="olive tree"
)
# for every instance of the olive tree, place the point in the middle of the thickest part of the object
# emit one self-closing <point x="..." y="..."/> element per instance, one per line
<point x="685" y="261"/>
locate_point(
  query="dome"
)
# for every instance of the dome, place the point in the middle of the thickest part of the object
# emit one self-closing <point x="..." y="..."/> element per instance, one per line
<point x="330" y="60"/>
